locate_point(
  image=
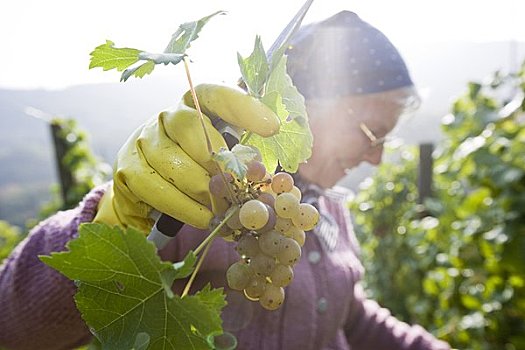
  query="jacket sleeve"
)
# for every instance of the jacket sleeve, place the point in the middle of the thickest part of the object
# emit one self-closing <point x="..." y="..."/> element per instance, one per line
<point x="370" y="327"/>
<point x="36" y="301"/>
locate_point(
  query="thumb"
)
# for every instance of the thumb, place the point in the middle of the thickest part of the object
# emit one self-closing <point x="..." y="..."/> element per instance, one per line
<point x="235" y="107"/>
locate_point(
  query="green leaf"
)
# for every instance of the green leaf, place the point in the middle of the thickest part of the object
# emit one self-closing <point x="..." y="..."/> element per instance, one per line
<point x="122" y="295"/>
<point x="186" y="33"/>
<point x="109" y="57"/>
<point x="254" y="68"/>
<point x="139" y="71"/>
<point x="293" y="144"/>
<point x="231" y="162"/>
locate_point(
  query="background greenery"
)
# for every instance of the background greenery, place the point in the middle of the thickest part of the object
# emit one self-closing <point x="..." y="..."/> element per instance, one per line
<point x="456" y="263"/>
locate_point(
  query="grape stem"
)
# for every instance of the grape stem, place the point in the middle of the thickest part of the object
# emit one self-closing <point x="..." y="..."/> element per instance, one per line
<point x="197" y="268"/>
<point x="245" y="138"/>
<point x="206" y="135"/>
<point x="197" y="105"/>
<point x="206" y="244"/>
<point x="215" y="231"/>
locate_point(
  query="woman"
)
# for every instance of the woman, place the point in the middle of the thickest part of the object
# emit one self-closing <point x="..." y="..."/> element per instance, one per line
<point x="356" y="86"/>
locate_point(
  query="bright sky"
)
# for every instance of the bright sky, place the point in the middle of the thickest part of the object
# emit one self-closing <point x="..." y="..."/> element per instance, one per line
<point x="46" y="44"/>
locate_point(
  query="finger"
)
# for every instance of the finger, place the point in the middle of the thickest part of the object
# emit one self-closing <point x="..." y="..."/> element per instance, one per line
<point x="235" y="107"/>
<point x="173" y="164"/>
<point x="136" y="178"/>
<point x="184" y="126"/>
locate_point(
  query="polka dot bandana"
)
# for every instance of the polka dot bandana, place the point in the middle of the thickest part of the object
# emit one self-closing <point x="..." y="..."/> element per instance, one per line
<point x="343" y="55"/>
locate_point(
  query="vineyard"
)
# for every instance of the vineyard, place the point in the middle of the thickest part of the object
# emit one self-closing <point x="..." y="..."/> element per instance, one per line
<point x="454" y="263"/>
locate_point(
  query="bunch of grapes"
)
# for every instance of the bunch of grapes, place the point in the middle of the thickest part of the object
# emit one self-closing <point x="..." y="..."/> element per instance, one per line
<point x="268" y="222"/>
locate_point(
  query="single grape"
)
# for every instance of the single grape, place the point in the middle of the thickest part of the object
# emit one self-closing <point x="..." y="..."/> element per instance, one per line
<point x="281" y="275"/>
<point x="239" y="275"/>
<point x="253" y="214"/>
<point x="256" y="287"/>
<point x="218" y="186"/>
<point x="272" y="217"/>
<point x="296" y="234"/>
<point x="267" y="198"/>
<point x="286" y="205"/>
<point x="269" y="242"/>
<point x="233" y="222"/>
<point x="283" y="224"/>
<point x="282" y="182"/>
<point x="262" y="264"/>
<point x="296" y="192"/>
<point x="272" y="298"/>
<point x="248" y="246"/>
<point x="289" y="252"/>
<point x="306" y="218"/>
<point x="255" y="171"/>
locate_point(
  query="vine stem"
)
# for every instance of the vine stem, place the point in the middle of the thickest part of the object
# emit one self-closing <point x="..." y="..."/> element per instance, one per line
<point x="197" y="105"/>
<point x="206" y="244"/>
<point x="215" y="231"/>
<point x="194" y="273"/>
<point x="233" y="199"/>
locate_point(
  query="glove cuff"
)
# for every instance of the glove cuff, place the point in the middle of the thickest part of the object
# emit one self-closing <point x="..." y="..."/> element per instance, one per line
<point x="105" y="211"/>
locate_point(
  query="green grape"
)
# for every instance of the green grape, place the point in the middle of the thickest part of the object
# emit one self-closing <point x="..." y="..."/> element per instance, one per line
<point x="289" y="252"/>
<point x="253" y="214"/>
<point x="306" y="218"/>
<point x="282" y="275"/>
<point x="269" y="242"/>
<point x="234" y="221"/>
<point x="248" y="246"/>
<point x="296" y="192"/>
<point x="239" y="275"/>
<point x="272" y="298"/>
<point x="296" y="234"/>
<point x="286" y="205"/>
<point x="262" y="264"/>
<point x="256" y="287"/>
<point x="282" y="182"/>
<point x="255" y="171"/>
<point x="282" y="224"/>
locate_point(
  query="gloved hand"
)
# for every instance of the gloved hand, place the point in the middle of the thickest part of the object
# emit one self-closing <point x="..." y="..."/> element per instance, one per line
<point x="165" y="164"/>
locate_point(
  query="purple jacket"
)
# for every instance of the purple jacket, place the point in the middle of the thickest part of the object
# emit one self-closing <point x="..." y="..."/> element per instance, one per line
<point x="324" y="306"/>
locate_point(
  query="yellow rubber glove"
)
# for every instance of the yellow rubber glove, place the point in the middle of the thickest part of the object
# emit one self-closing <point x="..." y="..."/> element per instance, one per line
<point x="165" y="164"/>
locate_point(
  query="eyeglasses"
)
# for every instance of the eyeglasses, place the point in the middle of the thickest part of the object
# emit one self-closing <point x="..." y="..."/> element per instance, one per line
<point x="374" y="140"/>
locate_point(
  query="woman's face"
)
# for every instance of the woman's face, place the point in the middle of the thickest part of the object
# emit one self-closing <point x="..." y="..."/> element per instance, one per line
<point x="339" y="140"/>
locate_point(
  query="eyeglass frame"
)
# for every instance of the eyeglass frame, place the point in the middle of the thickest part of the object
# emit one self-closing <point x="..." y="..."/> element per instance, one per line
<point x="374" y="140"/>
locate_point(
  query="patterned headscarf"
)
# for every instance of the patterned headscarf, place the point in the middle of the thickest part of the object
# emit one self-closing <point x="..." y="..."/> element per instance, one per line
<point x="343" y="55"/>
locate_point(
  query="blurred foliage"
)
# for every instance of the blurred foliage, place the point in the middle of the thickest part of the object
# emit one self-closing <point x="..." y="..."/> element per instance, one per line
<point x="85" y="170"/>
<point x="456" y="263"/>
<point x="9" y="238"/>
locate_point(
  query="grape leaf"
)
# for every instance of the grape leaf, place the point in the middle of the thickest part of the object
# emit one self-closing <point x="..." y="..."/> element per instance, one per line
<point x="122" y="292"/>
<point x="139" y="71"/>
<point x="230" y="162"/>
<point x="293" y="144"/>
<point x="237" y="159"/>
<point x="107" y="56"/>
<point x="186" y="33"/>
<point x="254" y="68"/>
